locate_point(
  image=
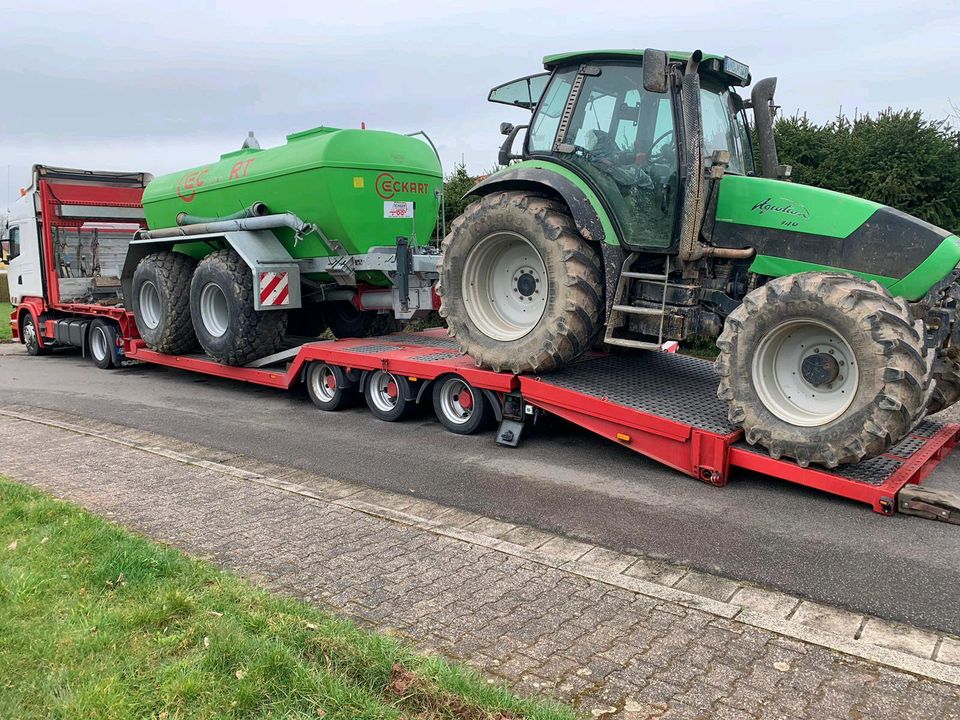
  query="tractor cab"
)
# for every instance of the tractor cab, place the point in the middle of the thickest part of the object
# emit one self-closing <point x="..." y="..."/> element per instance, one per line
<point x="621" y="131"/>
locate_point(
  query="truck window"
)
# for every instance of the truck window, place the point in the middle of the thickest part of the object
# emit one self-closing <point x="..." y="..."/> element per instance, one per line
<point x="14" y="242"/>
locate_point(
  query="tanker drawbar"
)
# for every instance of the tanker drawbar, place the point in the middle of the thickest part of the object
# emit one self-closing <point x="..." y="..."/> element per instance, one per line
<point x="332" y="230"/>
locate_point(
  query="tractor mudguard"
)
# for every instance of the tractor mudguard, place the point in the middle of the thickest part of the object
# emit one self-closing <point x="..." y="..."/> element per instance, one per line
<point x="591" y="219"/>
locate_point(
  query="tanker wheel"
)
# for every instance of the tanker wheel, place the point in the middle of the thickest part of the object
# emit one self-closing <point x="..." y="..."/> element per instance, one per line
<point x="161" y="302"/>
<point x="824" y="368"/>
<point x="520" y="288"/>
<point x="346" y="321"/>
<point x="460" y="407"/>
<point x="221" y="304"/>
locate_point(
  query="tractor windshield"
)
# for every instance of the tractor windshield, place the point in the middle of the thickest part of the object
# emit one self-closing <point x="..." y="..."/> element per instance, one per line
<point x="620" y="137"/>
<point x="724" y="127"/>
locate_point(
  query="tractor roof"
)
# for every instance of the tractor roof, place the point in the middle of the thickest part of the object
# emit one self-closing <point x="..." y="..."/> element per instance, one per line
<point x="711" y="63"/>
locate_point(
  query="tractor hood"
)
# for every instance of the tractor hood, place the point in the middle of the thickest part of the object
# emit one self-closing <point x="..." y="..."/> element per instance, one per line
<point x="798" y="228"/>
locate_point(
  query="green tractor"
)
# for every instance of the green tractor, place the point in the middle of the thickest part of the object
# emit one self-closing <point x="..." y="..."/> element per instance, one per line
<point x="635" y="214"/>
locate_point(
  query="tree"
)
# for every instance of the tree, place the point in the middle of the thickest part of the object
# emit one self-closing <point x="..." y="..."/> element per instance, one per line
<point x="897" y="158"/>
<point x="455" y="186"/>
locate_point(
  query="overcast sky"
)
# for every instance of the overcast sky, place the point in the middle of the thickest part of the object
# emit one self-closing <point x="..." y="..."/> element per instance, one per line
<point x="161" y="86"/>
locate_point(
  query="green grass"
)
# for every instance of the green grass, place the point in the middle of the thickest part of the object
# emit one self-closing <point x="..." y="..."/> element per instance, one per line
<point x="5" y="310"/>
<point x="96" y="622"/>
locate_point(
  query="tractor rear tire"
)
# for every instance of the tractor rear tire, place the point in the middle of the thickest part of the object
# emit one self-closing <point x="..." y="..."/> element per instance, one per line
<point x="161" y="302"/>
<point x="346" y="321"/>
<point x="221" y="305"/>
<point x="824" y="368"/>
<point x="946" y="368"/>
<point x="520" y="288"/>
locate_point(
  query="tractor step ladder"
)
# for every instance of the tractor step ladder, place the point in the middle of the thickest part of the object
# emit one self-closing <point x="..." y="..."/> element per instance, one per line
<point x="620" y="307"/>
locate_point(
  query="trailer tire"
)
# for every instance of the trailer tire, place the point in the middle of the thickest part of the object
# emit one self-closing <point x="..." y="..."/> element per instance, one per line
<point x="346" y="321"/>
<point x="102" y="344"/>
<point x="222" y="308"/>
<point x="461" y="408"/>
<point x="824" y="368"/>
<point x="161" y="302"/>
<point x="328" y="387"/>
<point x="388" y="396"/>
<point x="521" y="289"/>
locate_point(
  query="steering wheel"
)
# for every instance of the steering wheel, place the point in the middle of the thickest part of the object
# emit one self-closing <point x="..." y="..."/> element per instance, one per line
<point x="661" y="138"/>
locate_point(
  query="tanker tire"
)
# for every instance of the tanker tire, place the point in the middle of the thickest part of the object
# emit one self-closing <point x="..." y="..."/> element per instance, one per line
<point x="894" y="367"/>
<point x="573" y="315"/>
<point x="244" y="334"/>
<point x="346" y="321"/>
<point x="169" y="273"/>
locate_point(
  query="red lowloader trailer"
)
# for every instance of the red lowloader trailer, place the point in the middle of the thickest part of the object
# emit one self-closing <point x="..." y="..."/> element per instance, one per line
<point x="68" y="236"/>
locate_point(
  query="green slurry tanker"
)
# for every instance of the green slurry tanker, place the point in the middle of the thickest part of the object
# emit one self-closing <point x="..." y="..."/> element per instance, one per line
<point x="331" y="229"/>
<point x="635" y="213"/>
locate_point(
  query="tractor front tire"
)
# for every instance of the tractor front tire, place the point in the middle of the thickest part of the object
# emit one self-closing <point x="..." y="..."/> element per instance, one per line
<point x="824" y="368"/>
<point x="161" y="302"/>
<point x="520" y="288"/>
<point x="221" y="305"/>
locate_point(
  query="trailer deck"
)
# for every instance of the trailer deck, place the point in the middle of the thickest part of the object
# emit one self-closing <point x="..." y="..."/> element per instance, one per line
<point x="661" y="405"/>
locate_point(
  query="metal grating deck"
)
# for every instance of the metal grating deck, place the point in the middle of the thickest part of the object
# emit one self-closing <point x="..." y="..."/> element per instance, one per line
<point x="676" y="387"/>
<point x="425" y="340"/>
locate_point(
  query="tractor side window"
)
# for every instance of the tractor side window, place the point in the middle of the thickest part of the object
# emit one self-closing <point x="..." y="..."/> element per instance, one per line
<point x="543" y="129"/>
<point x="719" y="132"/>
<point x="14" y="242"/>
<point x="597" y="118"/>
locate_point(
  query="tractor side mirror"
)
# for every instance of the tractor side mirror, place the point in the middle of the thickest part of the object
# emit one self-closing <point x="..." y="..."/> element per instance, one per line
<point x="654" y="70"/>
<point x="506" y="128"/>
<point x="505" y="155"/>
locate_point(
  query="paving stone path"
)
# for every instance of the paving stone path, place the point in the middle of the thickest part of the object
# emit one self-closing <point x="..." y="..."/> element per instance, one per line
<point x="544" y="631"/>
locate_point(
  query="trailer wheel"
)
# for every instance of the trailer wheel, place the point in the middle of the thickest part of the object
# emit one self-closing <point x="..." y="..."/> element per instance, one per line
<point x="824" y="368"/>
<point x="102" y="344"/>
<point x="387" y="396"/>
<point x="221" y="306"/>
<point x="460" y="407"/>
<point x="329" y="387"/>
<point x="521" y="288"/>
<point x="31" y="338"/>
<point x="346" y="321"/>
<point x="161" y="302"/>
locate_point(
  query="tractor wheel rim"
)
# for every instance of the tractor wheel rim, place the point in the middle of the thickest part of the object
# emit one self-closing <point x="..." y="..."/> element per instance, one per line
<point x="324" y="383"/>
<point x="457" y="401"/>
<point x="505" y="286"/>
<point x="380" y="391"/>
<point x="150" y="305"/>
<point x="214" y="311"/>
<point x="98" y="344"/>
<point x="805" y="373"/>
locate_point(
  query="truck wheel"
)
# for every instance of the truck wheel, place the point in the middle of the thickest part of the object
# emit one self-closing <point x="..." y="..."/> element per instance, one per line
<point x="328" y="386"/>
<point x="387" y="396"/>
<point x="346" y="321"/>
<point x="520" y="288"/>
<point x="824" y="368"/>
<point x="161" y="302"/>
<point x="221" y="305"/>
<point x="461" y="408"/>
<point x="31" y="338"/>
<point x="102" y="344"/>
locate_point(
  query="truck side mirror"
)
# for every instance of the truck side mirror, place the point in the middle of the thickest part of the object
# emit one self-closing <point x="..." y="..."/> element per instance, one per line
<point x="654" y="70"/>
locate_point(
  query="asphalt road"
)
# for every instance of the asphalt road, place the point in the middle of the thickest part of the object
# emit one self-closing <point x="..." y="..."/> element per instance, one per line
<point x="562" y="479"/>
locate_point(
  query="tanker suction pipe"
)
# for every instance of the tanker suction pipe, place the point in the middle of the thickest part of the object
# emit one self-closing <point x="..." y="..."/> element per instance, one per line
<point x="258" y="209"/>
<point x="265" y="222"/>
